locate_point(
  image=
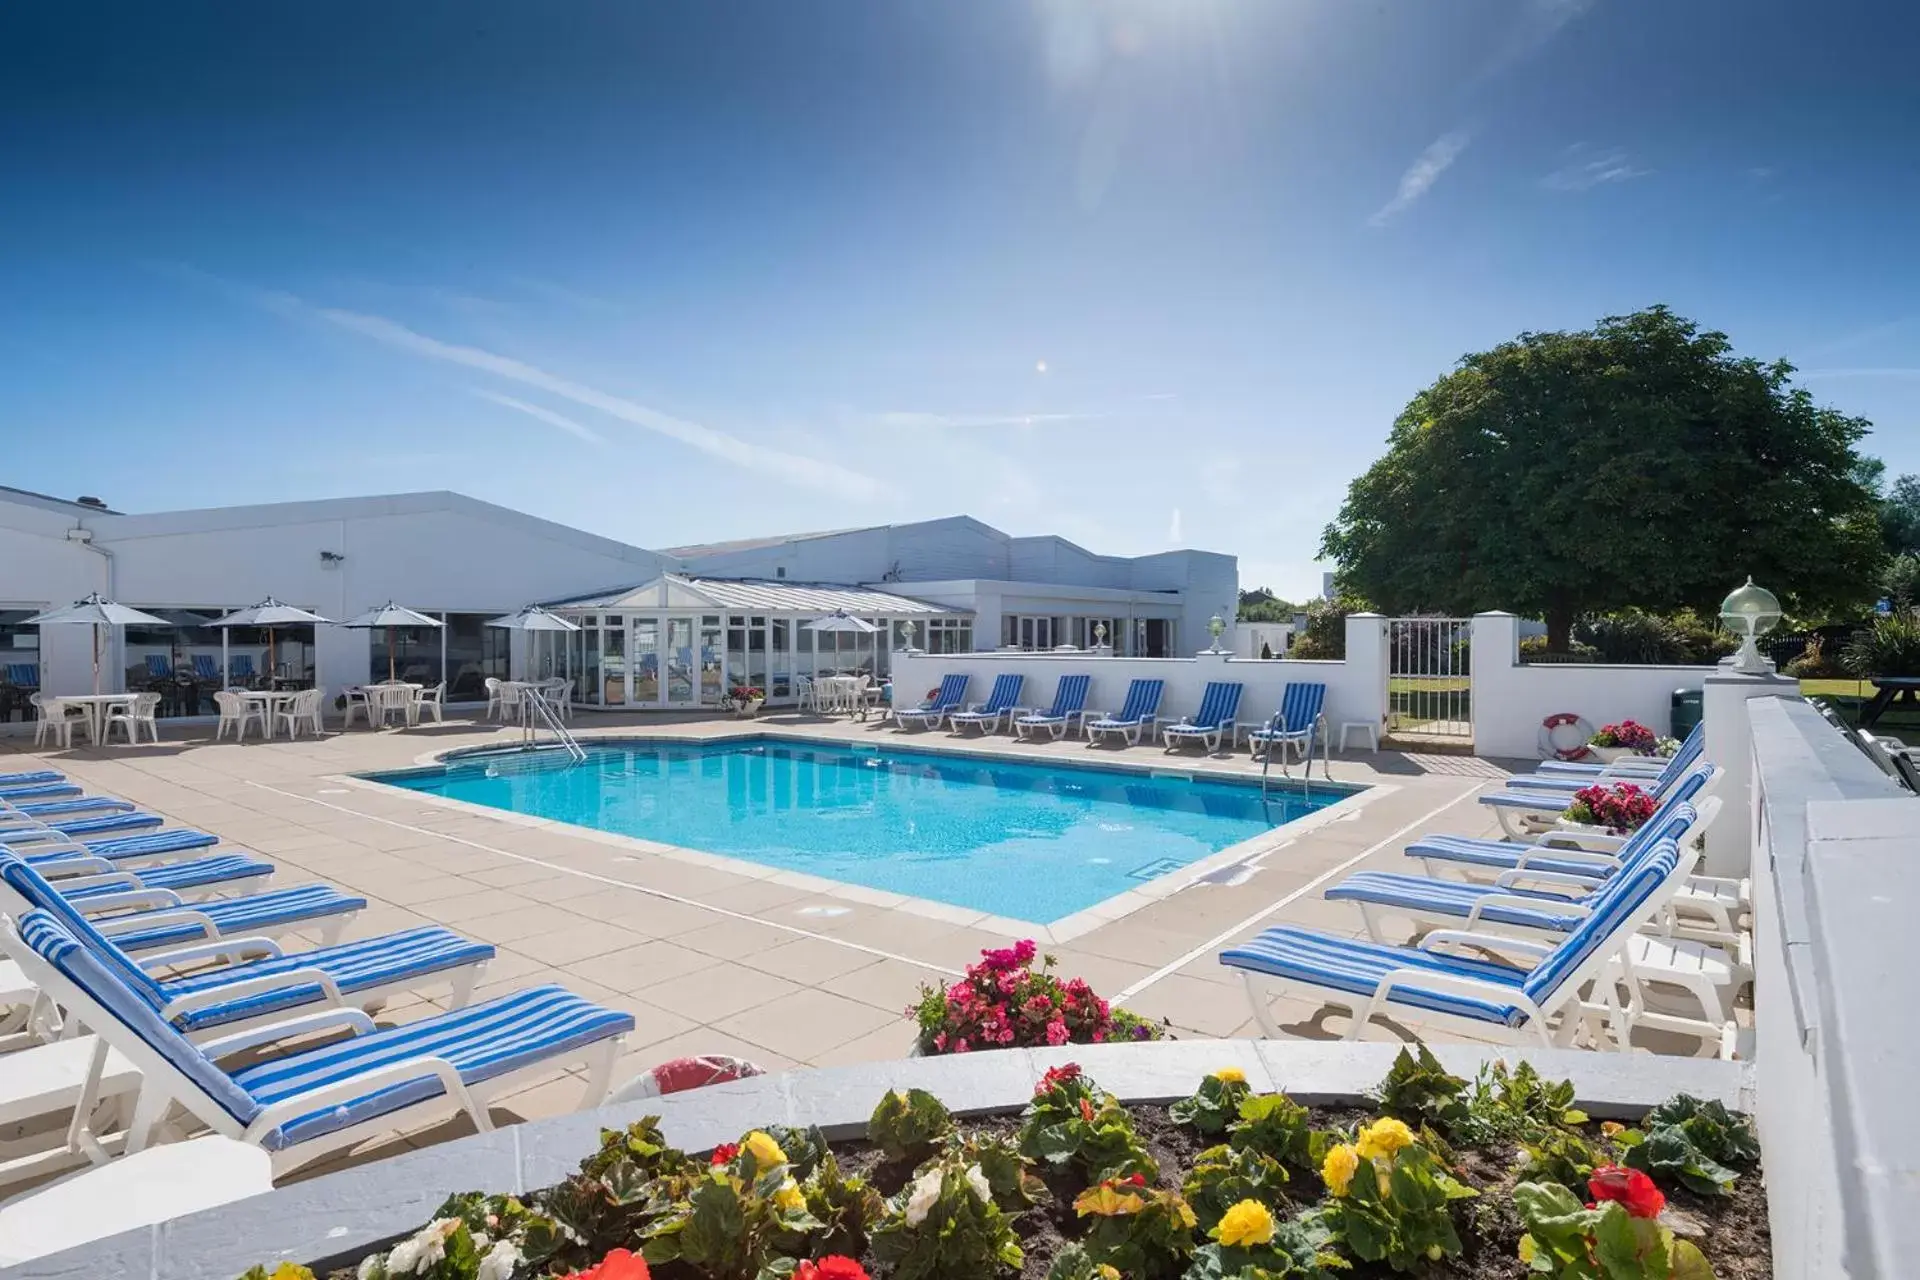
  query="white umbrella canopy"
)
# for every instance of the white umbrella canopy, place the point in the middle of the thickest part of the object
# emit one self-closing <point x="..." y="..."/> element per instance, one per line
<point x="269" y="613"/>
<point x="841" y="620"/>
<point x="534" y="618"/>
<point x="391" y="615"/>
<point x="95" y="612"/>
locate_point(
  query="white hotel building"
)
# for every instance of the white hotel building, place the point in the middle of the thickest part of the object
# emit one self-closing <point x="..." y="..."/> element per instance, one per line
<point x="659" y="629"/>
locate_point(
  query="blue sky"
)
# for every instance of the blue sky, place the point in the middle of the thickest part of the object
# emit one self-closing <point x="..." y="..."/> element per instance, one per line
<point x="1145" y="273"/>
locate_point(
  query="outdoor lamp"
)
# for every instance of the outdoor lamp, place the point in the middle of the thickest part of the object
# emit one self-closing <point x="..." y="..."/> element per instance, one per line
<point x="1214" y="627"/>
<point x="1100" y="634"/>
<point x="1750" y="612"/>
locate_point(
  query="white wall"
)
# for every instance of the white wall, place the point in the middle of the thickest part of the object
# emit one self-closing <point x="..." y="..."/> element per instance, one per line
<point x="1249" y="636"/>
<point x="1510" y="699"/>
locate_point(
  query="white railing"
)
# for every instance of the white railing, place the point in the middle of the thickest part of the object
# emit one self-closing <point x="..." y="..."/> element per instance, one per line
<point x="536" y="712"/>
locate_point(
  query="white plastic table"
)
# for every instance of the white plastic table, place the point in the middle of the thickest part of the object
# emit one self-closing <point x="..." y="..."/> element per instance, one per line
<point x="1365" y="726"/>
<point x="270" y="701"/>
<point x="98" y="707"/>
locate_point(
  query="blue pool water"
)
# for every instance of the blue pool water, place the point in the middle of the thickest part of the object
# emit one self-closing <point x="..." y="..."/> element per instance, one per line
<point x="1030" y="841"/>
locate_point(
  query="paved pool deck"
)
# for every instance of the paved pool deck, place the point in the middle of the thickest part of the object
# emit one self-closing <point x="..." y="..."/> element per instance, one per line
<point x="717" y="955"/>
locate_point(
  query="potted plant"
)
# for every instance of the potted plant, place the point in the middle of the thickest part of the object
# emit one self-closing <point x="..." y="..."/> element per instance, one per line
<point x="1617" y="810"/>
<point x="1628" y="738"/>
<point x="744" y="700"/>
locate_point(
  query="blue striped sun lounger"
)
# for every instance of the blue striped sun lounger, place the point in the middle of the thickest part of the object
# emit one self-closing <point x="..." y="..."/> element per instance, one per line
<point x="1525" y="810"/>
<point x="1138" y="714"/>
<point x="1295" y="723"/>
<point x="1001" y="704"/>
<point x="210" y="998"/>
<point x="262" y="914"/>
<point x="44" y="788"/>
<point x="1558" y="854"/>
<point x="1213" y="721"/>
<point x="1644" y="771"/>
<point x="1372" y="978"/>
<point x="1510" y="902"/>
<point x="1069" y="704"/>
<point x="153" y="844"/>
<point x="77" y="804"/>
<point x="205" y="667"/>
<point x="219" y="873"/>
<point x="83" y="826"/>
<point x="30" y="776"/>
<point x="947" y="699"/>
<point x="301" y="1103"/>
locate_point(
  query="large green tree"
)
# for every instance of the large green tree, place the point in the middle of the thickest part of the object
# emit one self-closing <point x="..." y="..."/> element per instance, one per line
<point x="1638" y="463"/>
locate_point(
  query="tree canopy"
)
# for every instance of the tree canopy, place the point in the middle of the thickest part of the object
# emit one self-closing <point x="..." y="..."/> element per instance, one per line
<point x="1261" y="605"/>
<point x="1640" y="463"/>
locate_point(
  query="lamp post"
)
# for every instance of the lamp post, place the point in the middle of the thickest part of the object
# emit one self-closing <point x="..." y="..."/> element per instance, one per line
<point x="1750" y="612"/>
<point x="1215" y="625"/>
<point x="1099" y="635"/>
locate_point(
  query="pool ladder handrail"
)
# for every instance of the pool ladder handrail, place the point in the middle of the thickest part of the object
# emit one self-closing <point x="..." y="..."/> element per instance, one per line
<point x="540" y="710"/>
<point x="1277" y="725"/>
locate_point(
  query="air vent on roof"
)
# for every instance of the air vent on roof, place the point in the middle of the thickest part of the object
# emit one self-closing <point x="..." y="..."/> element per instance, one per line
<point x="86" y="500"/>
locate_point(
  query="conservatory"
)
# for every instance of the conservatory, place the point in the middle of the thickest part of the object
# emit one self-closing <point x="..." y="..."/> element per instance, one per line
<point x="683" y="642"/>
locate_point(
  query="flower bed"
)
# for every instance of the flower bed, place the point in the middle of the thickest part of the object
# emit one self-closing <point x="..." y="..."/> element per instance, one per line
<point x="1004" y="1002"/>
<point x="1621" y="808"/>
<point x="1628" y="735"/>
<point x="1499" y="1178"/>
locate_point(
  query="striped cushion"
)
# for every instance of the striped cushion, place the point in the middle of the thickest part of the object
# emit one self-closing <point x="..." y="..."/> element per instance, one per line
<point x="1299" y="714"/>
<point x="1221" y="701"/>
<point x="95" y="825"/>
<point x="193" y="873"/>
<point x="1356" y="967"/>
<point x="482" y="1041"/>
<point x="1452" y="897"/>
<point x="1143" y="703"/>
<point x="1529" y="801"/>
<point x="1615" y="907"/>
<point x="1068" y="697"/>
<point x="113" y="848"/>
<point x="237" y="916"/>
<point x="80" y="804"/>
<point x="30" y="776"/>
<point x="355" y="966"/>
<point x="23" y="790"/>
<point x="30" y="885"/>
<point x="1498" y="854"/>
<point x="58" y="947"/>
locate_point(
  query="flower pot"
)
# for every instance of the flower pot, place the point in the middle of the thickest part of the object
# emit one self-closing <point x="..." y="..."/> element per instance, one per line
<point x="748" y="709"/>
<point x="1607" y="755"/>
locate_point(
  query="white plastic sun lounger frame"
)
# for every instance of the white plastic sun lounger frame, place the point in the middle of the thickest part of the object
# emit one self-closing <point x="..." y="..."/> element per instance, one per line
<point x="1608" y="1022"/>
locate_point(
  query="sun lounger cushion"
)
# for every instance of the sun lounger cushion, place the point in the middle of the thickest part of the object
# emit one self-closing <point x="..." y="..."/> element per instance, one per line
<point x="21" y="791"/>
<point x="114" y="849"/>
<point x="80" y="804"/>
<point x="1356" y="967"/>
<point x="95" y="826"/>
<point x="194" y="873"/>
<point x="30" y="776"/>
<point x="1452" y="897"/>
<point x="1499" y="854"/>
<point x="482" y="1041"/>
<point x="235" y="917"/>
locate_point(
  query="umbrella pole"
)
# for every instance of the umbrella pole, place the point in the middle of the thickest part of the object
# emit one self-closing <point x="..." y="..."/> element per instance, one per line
<point x="226" y="663"/>
<point x="389" y="655"/>
<point x="93" y="629"/>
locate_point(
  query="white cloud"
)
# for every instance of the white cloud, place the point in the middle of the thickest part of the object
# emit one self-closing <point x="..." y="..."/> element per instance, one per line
<point x="1539" y="22"/>
<point x="1174" y="534"/>
<point x="813" y="473"/>
<point x="1422" y="174"/>
<point x="1585" y="169"/>
<point x="917" y="421"/>
<point x="547" y="416"/>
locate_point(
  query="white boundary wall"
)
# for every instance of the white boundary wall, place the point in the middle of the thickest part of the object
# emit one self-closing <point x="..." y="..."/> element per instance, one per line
<point x="1510" y="699"/>
<point x="1356" y="687"/>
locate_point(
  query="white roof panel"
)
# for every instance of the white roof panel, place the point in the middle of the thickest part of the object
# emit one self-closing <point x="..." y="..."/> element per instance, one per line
<point x="755" y="595"/>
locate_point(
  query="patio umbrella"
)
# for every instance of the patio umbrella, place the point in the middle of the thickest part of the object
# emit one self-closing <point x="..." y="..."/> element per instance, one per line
<point x="841" y="620"/>
<point x="534" y="618"/>
<point x="95" y="613"/>
<point x="391" y="615"/>
<point x="269" y="613"/>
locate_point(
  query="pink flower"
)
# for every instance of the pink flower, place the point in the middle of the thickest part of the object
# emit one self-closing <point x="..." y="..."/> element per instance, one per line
<point x="1057" y="1032"/>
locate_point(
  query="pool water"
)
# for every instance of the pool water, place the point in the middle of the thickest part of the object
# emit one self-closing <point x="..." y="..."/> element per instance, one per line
<point x="1029" y="841"/>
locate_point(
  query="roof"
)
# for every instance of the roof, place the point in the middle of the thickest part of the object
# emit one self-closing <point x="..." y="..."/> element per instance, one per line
<point x="85" y="508"/>
<point x="759" y="595"/>
<point x="756" y="544"/>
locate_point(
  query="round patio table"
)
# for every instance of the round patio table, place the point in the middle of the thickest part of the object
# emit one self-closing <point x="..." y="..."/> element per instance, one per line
<point x="269" y="702"/>
<point x="1889" y="691"/>
<point x="98" y="706"/>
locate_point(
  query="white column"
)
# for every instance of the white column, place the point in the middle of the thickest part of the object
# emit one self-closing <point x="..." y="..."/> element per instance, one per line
<point x="1366" y="702"/>
<point x="1729" y="745"/>
<point x="1501" y="725"/>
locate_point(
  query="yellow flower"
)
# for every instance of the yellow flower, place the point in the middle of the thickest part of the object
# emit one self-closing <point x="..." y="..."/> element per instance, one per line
<point x="765" y="1151"/>
<point x="290" y="1271"/>
<point x="1337" y="1169"/>
<point x="789" y="1198"/>
<point x="1230" y="1075"/>
<point x="1382" y="1138"/>
<point x="1245" y="1224"/>
<point x="1106" y="1200"/>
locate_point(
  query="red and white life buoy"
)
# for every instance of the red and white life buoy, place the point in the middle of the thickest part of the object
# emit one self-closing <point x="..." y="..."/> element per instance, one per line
<point x="1550" y="742"/>
<point x="686" y="1073"/>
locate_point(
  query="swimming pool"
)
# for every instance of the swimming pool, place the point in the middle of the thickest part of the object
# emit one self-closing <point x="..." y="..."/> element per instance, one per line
<point x="1030" y="841"/>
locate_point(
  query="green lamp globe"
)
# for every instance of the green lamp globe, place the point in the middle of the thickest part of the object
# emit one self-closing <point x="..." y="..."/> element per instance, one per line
<point x="1750" y="612"/>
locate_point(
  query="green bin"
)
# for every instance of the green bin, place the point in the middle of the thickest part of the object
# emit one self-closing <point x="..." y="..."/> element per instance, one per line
<point x="1686" y="711"/>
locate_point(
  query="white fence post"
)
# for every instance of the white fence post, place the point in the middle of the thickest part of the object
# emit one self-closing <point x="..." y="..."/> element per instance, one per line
<point x="1496" y="653"/>
<point x="1367" y="659"/>
<point x="1729" y="745"/>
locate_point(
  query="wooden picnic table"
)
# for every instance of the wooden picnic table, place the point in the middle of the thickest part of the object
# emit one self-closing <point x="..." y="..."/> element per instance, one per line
<point x="1889" y="691"/>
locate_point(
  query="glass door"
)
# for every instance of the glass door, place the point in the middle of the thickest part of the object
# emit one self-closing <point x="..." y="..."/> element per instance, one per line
<point x="678" y="659"/>
<point x="646" y="661"/>
<point x="712" y="669"/>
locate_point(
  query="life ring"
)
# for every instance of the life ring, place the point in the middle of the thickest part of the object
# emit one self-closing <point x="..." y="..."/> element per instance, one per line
<point x="1559" y="720"/>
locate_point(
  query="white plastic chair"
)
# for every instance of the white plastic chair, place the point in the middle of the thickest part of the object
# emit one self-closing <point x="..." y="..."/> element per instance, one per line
<point x="302" y="709"/>
<point x="139" y="714"/>
<point x="494" y="699"/>
<point x="356" y="696"/>
<point x="236" y="713"/>
<point x="56" y="719"/>
<point x="430" y="700"/>
<point x="803" y="692"/>
<point x="561" y="699"/>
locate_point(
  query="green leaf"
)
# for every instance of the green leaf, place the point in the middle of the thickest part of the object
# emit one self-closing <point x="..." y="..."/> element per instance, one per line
<point x="906" y="1125"/>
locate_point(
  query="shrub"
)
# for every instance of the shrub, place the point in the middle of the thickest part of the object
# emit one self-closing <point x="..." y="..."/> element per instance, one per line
<point x="1890" y="647"/>
<point x="1418" y="1090"/>
<point x="1392" y="1198"/>
<point x="1679" y="639"/>
<point x="1140" y="1231"/>
<point x="945" y="1223"/>
<point x="1325" y="635"/>
<point x="1814" y="663"/>
<point x="1537" y="648"/>
<point x="1690" y="1143"/>
<point x="908" y="1123"/>
<point x="1072" y="1123"/>
<point x="1004" y="1002"/>
<point x="1277" y="1126"/>
<point x="1629" y="735"/>
<point x="1216" y="1103"/>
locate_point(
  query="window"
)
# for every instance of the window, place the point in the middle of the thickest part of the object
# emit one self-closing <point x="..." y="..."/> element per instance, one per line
<point x="476" y="651"/>
<point x="947" y="635"/>
<point x="1024" y="631"/>
<point x="19" y="663"/>
<point x="181" y="661"/>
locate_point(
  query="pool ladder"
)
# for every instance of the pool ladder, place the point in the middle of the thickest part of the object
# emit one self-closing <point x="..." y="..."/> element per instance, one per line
<point x="539" y="712"/>
<point x="1275" y="725"/>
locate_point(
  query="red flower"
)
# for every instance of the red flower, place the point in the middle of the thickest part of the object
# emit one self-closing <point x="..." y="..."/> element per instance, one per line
<point x="832" y="1267"/>
<point x="1632" y="1188"/>
<point x="618" y="1265"/>
<point x="725" y="1152"/>
<point x="1086" y="1111"/>
<point x="1135" y="1180"/>
<point x="1058" y="1075"/>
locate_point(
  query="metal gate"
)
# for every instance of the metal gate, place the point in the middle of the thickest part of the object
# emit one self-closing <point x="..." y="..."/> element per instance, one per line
<point x="1429" y="689"/>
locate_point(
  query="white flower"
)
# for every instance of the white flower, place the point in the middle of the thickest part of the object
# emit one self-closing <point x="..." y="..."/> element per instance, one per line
<point x="978" y="1181"/>
<point x="925" y="1192"/>
<point x="371" y="1267"/>
<point x="424" y="1249"/>
<point x="499" y="1262"/>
